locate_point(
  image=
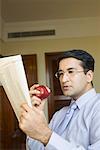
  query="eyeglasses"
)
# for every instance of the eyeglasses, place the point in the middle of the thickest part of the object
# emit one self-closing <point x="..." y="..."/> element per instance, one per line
<point x="70" y="73"/>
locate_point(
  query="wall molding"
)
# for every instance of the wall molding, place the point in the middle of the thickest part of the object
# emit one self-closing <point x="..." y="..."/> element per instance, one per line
<point x="66" y="28"/>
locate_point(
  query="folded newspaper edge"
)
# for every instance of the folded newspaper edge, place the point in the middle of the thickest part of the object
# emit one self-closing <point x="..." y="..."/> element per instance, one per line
<point x="14" y="82"/>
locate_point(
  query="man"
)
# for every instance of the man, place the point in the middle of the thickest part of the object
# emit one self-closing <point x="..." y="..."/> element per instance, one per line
<point x="76" y="127"/>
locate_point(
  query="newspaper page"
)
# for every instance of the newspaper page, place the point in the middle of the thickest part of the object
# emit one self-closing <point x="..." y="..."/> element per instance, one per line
<point x="14" y="82"/>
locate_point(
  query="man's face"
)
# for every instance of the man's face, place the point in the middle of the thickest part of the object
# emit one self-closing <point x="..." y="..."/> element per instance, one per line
<point x="74" y="82"/>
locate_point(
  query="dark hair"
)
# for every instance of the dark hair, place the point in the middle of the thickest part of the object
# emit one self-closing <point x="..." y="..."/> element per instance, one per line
<point x="87" y="59"/>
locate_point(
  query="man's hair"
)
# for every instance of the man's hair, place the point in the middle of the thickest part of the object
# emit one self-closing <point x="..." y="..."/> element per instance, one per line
<point x="86" y="58"/>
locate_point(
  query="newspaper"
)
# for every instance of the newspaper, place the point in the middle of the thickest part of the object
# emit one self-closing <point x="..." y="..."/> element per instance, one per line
<point x="14" y="82"/>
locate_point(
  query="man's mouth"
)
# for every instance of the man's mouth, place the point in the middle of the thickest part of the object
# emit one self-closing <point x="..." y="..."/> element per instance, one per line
<point x="66" y="87"/>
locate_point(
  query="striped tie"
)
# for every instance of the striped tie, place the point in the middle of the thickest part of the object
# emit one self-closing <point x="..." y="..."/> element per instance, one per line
<point x="66" y="119"/>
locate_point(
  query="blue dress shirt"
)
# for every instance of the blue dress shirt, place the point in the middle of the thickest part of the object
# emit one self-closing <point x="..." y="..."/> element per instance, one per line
<point x="82" y="132"/>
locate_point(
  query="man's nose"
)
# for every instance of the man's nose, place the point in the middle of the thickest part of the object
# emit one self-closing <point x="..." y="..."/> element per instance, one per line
<point x="65" y="77"/>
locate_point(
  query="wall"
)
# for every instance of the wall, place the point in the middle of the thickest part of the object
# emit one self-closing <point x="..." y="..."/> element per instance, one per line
<point x="0" y="46"/>
<point x="41" y="46"/>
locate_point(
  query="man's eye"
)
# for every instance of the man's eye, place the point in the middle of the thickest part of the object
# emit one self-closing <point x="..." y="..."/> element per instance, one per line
<point x="60" y="73"/>
<point x="70" y="71"/>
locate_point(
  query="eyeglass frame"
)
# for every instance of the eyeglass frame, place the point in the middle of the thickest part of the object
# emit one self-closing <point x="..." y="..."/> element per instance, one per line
<point x="75" y="71"/>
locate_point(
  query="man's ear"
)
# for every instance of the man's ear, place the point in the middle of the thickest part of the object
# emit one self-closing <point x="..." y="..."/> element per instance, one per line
<point x="90" y="75"/>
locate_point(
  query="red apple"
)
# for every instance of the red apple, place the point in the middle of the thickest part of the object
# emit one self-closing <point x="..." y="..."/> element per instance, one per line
<point x="44" y="92"/>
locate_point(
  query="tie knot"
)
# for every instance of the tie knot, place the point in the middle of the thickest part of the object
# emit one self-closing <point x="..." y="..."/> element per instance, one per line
<point x="73" y="106"/>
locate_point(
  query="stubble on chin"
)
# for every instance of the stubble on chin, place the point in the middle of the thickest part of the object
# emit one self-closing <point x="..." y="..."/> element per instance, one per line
<point x="68" y="94"/>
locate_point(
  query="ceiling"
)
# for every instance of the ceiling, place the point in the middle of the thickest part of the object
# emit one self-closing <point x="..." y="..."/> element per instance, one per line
<point x="34" y="10"/>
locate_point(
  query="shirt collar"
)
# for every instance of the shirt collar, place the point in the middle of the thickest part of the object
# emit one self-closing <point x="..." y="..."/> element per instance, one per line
<point x="85" y="98"/>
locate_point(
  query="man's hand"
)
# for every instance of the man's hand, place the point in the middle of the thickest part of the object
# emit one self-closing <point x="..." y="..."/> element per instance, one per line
<point x="34" y="124"/>
<point x="36" y="101"/>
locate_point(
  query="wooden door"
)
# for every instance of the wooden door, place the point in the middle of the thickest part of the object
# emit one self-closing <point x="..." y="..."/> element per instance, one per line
<point x="11" y="137"/>
<point x="56" y="100"/>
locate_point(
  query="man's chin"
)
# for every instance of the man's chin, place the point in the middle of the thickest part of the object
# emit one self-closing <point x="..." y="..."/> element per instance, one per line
<point x="67" y="94"/>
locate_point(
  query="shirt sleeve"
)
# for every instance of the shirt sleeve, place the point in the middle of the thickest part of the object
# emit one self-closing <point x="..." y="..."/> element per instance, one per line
<point x="32" y="144"/>
<point x="95" y="130"/>
<point x="56" y="142"/>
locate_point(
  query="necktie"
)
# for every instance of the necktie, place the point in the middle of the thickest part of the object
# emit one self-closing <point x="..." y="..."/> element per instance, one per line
<point x="66" y="119"/>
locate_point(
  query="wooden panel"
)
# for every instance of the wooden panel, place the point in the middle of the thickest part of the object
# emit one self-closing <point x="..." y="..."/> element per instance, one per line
<point x="30" y="64"/>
